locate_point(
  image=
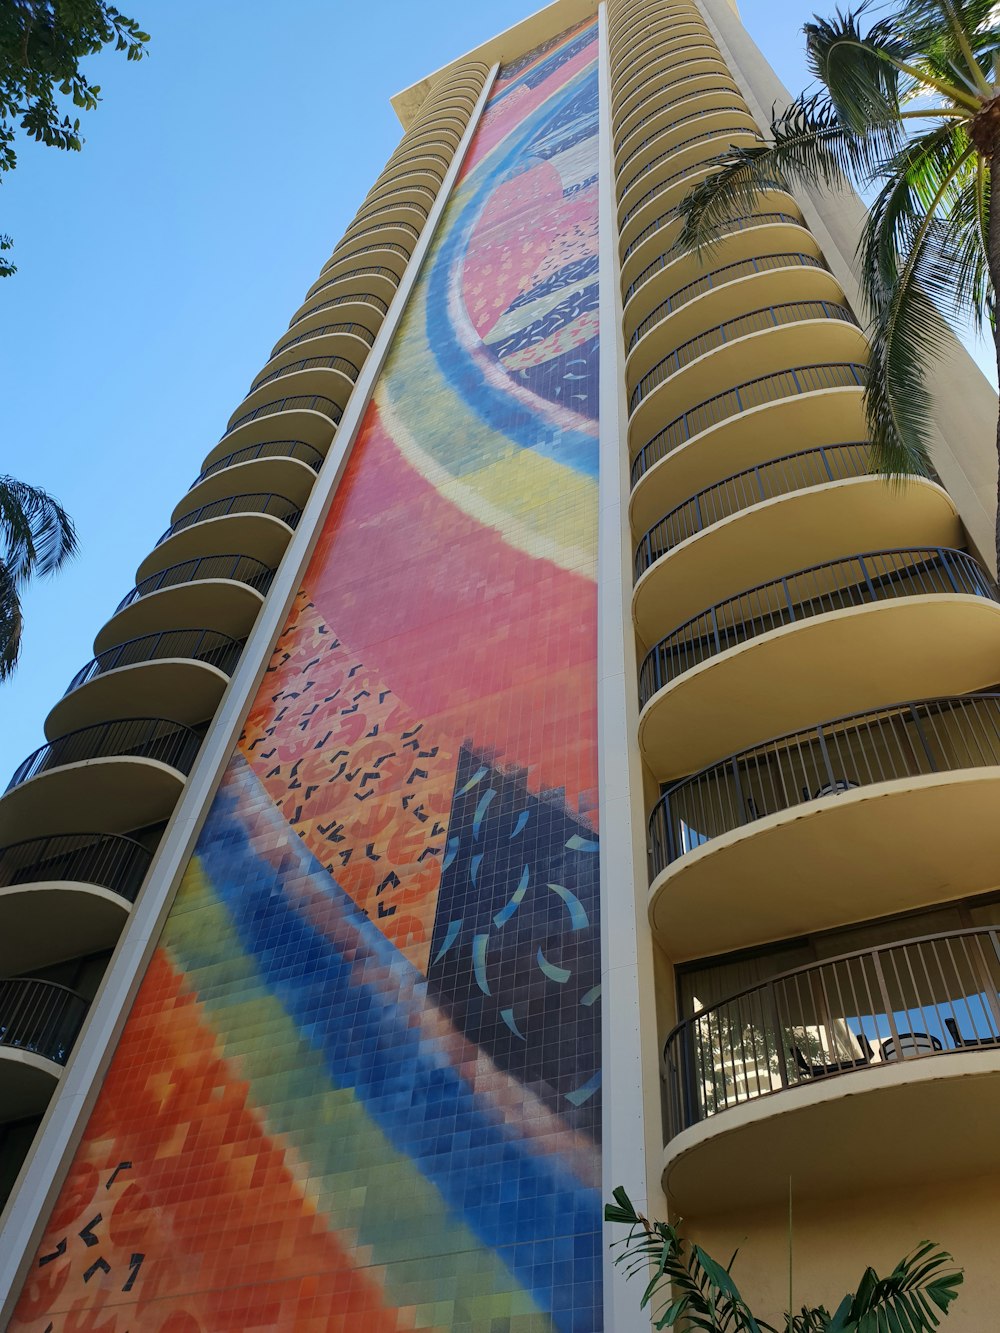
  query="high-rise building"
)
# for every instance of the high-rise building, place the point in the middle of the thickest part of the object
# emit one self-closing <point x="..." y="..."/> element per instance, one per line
<point x="530" y="522"/>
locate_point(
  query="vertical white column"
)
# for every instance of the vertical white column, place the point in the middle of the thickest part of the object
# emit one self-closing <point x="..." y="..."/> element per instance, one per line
<point x="632" y="1135"/>
<point x="58" y="1138"/>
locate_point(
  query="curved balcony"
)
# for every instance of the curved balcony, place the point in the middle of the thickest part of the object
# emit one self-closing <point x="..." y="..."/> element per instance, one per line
<point x="187" y="669"/>
<point x="659" y="27"/>
<point x="627" y="16"/>
<point x="755" y="321"/>
<point x="407" y="235"/>
<point x="261" y="524"/>
<point x="869" y="815"/>
<point x="357" y="307"/>
<point x="426" y="176"/>
<point x="420" y="156"/>
<point x="375" y="278"/>
<point x="67" y="896"/>
<point x="657" y="41"/>
<point x="39" y="1022"/>
<point x="411" y="211"/>
<point x="672" y="132"/>
<point x="327" y="379"/>
<point x="671" y="169"/>
<point x="701" y="53"/>
<point x="310" y="417"/>
<point x="391" y="256"/>
<point x="666" y="149"/>
<point x="348" y="339"/>
<point x="801" y="509"/>
<point x="131" y="770"/>
<point x="643" y="96"/>
<point x="789" y="1078"/>
<point x="745" y="425"/>
<point x="288" y="467"/>
<point x="413" y="195"/>
<point x="224" y="591"/>
<point x="747" y="347"/>
<point x="651" y="100"/>
<point x="692" y="86"/>
<point x="696" y="300"/>
<point x="841" y="636"/>
<point x="649" y="252"/>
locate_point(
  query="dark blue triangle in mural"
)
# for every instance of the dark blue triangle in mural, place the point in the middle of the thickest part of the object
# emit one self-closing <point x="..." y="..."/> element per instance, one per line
<point x="515" y="954"/>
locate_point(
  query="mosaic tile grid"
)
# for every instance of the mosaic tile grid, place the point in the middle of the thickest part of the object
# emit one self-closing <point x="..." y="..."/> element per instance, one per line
<point x="359" y="1088"/>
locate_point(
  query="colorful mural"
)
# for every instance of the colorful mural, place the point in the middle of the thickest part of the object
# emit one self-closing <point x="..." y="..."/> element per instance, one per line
<point x="359" y="1089"/>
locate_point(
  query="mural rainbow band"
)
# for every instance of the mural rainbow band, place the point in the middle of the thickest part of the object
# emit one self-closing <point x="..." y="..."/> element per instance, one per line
<point x="360" y="1086"/>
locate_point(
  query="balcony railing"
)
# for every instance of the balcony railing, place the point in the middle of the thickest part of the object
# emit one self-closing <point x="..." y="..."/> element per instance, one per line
<point x="40" y="1017"/>
<point x="366" y="298"/>
<point x="355" y="330"/>
<point x="364" y="271"/>
<point x="766" y="481"/>
<point x="305" y="453"/>
<point x="686" y="143"/>
<point x="739" y="268"/>
<point x="713" y="57"/>
<point x="364" y="214"/>
<point x="400" y="226"/>
<point x="277" y="506"/>
<point x="105" y="859"/>
<point x="935" y="995"/>
<point x="389" y="246"/>
<point x="883" y="744"/>
<point x="298" y="402"/>
<point x="697" y="115"/>
<point x="683" y="173"/>
<point x="200" y="645"/>
<point x="618" y="39"/>
<point x="630" y="15"/>
<point x="340" y="363"/>
<point x="742" y="222"/>
<point x="665" y="106"/>
<point x="237" y="568"/>
<point x="754" y="393"/>
<point x="769" y="317"/>
<point x="418" y="150"/>
<point x="835" y="585"/>
<point x="653" y="45"/>
<point x="170" y="743"/>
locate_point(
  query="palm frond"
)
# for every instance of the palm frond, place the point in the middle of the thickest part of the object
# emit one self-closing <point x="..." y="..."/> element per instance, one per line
<point x="858" y="69"/>
<point x="809" y="145"/>
<point x="36" y="533"/>
<point x="951" y="35"/>
<point x="918" y="1290"/>
<point x="685" y="1285"/>
<point x="907" y="332"/>
<point x="11" y="623"/>
<point x="914" y="180"/>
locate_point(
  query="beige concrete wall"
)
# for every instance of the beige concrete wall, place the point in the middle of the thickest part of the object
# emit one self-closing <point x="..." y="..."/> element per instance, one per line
<point x="833" y="1242"/>
<point x="963" y="429"/>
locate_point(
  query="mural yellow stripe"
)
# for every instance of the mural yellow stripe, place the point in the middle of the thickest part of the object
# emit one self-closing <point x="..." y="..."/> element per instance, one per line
<point x="548" y="511"/>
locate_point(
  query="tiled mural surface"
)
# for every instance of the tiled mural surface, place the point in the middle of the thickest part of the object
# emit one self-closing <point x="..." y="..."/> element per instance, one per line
<point x="359" y="1089"/>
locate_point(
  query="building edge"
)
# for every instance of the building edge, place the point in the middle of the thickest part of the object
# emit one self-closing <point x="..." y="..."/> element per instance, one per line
<point x="632" y="1136"/>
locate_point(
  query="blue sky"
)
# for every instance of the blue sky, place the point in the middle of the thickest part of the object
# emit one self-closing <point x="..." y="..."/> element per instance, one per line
<point x="157" y="267"/>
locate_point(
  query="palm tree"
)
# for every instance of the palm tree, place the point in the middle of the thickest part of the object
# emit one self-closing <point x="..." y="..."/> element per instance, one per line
<point x="908" y="105"/>
<point x="37" y="537"/>
<point x="687" y="1287"/>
